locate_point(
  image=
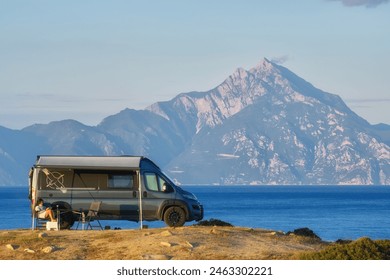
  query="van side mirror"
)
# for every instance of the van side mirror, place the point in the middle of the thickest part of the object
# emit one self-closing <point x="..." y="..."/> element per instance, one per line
<point x="167" y="188"/>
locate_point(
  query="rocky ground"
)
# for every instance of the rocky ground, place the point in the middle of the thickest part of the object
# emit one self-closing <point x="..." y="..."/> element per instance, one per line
<point x="185" y="243"/>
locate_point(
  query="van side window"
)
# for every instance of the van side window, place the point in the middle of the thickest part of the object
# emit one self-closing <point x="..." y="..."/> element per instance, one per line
<point x="151" y="181"/>
<point x="86" y="180"/>
<point x="121" y="181"/>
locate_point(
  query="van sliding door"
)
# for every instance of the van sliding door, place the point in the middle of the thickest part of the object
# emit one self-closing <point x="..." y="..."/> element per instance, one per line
<point x="122" y="190"/>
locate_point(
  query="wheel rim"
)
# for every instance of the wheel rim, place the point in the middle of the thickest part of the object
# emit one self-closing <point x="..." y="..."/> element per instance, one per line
<point x="174" y="217"/>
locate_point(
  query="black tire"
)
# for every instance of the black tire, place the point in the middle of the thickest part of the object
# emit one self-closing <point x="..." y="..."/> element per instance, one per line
<point x="174" y="216"/>
<point x="66" y="221"/>
<point x="66" y="218"/>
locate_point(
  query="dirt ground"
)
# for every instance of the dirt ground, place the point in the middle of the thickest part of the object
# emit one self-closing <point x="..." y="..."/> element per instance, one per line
<point x="185" y="243"/>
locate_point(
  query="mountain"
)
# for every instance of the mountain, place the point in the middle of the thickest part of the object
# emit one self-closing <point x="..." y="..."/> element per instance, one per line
<point x="16" y="155"/>
<point x="269" y="126"/>
<point x="264" y="125"/>
<point x="145" y="133"/>
<point x="72" y="137"/>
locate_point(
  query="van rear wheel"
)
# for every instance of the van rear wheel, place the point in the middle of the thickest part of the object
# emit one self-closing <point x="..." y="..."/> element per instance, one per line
<point x="174" y="216"/>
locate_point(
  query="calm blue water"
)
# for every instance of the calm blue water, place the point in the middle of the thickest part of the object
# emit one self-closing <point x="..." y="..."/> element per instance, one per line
<point x="332" y="212"/>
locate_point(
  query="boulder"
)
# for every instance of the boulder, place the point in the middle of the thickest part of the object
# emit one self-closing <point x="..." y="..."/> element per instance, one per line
<point x="213" y="222"/>
<point x="306" y="232"/>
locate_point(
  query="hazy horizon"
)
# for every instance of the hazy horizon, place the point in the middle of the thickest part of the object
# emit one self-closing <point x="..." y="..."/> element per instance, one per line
<point x="91" y="59"/>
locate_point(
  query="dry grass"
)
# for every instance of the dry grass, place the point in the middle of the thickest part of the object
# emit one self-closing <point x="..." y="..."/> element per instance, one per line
<point x="185" y="243"/>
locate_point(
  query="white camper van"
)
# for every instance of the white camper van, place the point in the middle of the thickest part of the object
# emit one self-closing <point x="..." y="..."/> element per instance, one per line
<point x="129" y="187"/>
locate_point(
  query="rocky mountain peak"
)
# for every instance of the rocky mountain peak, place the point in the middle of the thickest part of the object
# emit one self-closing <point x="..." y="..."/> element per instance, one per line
<point x="264" y="65"/>
<point x="239" y="90"/>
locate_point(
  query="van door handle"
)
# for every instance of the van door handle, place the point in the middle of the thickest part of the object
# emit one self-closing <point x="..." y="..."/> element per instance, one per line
<point x="145" y="194"/>
<point x="134" y="194"/>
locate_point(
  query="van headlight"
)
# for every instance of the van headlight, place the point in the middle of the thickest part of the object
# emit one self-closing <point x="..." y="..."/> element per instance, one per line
<point x="189" y="196"/>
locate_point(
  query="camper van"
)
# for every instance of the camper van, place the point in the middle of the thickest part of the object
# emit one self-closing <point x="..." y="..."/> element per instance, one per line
<point x="129" y="188"/>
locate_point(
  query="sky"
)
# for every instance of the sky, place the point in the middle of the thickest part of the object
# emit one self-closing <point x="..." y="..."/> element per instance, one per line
<point x="86" y="60"/>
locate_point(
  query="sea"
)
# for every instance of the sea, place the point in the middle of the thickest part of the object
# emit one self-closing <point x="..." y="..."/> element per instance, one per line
<point x="332" y="212"/>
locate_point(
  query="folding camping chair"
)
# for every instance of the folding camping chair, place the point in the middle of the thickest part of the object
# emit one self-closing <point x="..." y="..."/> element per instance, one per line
<point x="38" y="223"/>
<point x="92" y="216"/>
<point x="42" y="223"/>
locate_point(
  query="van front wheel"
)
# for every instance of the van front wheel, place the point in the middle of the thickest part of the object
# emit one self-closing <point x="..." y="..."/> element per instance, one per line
<point x="174" y="216"/>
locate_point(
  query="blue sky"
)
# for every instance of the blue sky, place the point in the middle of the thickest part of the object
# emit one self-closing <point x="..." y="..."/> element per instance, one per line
<point x="86" y="60"/>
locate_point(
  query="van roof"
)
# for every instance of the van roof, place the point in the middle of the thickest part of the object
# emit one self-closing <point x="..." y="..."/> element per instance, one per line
<point x="90" y="162"/>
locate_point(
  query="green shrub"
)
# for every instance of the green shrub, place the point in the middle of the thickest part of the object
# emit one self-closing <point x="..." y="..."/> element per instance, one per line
<point x="361" y="249"/>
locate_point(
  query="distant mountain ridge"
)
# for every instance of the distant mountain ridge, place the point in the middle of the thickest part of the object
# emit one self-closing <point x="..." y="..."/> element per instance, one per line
<point x="265" y="125"/>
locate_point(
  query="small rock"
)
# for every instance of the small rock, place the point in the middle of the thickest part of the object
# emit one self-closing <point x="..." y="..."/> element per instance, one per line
<point x="156" y="257"/>
<point x="166" y="244"/>
<point x="166" y="233"/>
<point x="49" y="249"/>
<point x="42" y="235"/>
<point x="12" y="247"/>
<point x="187" y="244"/>
<point x="27" y="250"/>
